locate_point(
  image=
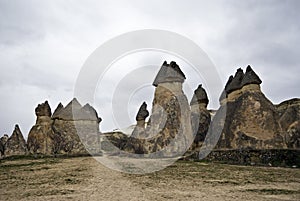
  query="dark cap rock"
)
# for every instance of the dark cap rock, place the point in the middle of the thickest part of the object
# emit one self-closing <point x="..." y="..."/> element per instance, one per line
<point x="250" y="77"/>
<point x="236" y="82"/>
<point x="142" y="113"/>
<point x="200" y="96"/>
<point x="169" y="73"/>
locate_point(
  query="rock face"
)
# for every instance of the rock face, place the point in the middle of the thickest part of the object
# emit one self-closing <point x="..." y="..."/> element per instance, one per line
<point x="16" y="144"/>
<point x="3" y="141"/>
<point x="66" y="130"/>
<point x="200" y="116"/>
<point x="289" y="113"/>
<point x="251" y="120"/>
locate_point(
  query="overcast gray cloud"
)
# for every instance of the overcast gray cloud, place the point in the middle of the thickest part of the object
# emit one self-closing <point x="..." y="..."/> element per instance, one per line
<point x="43" y="45"/>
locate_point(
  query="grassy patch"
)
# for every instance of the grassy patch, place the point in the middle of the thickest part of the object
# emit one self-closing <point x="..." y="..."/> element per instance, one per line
<point x="27" y="163"/>
<point x="274" y="191"/>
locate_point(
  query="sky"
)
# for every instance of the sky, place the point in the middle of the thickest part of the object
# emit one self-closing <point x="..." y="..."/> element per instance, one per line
<point x="44" y="44"/>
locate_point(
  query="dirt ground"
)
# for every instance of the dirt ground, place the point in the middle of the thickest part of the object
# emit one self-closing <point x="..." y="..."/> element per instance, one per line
<point x="83" y="178"/>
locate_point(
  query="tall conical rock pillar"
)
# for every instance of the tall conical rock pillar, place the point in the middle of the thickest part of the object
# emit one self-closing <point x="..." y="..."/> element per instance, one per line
<point x="169" y="126"/>
<point x="16" y="144"/>
<point x="200" y="116"/>
<point x="139" y="130"/>
<point x="40" y="137"/>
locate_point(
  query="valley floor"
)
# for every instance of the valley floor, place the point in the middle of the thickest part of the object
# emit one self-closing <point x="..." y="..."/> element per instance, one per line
<point x="83" y="178"/>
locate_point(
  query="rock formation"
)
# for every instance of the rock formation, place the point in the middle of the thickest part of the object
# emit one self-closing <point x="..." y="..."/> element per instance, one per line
<point x="140" y="128"/>
<point x="200" y="116"/>
<point x="293" y="135"/>
<point x="289" y="113"/>
<point x="66" y="131"/>
<point x="169" y="127"/>
<point x="251" y="120"/>
<point x="77" y="128"/>
<point x="3" y="141"/>
<point x="40" y="137"/>
<point x="168" y="131"/>
<point x="16" y="144"/>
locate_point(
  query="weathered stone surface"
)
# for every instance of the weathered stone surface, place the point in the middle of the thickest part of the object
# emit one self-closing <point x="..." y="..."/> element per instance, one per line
<point x="142" y="113"/>
<point x="289" y="112"/>
<point x="16" y="144"/>
<point x="67" y="131"/>
<point x="40" y="137"/>
<point x="140" y="130"/>
<point x="236" y="82"/>
<point x="293" y="135"/>
<point x="200" y="116"/>
<point x="3" y="141"/>
<point x="251" y="120"/>
<point x="169" y="127"/>
<point x="250" y="77"/>
<point x="43" y="109"/>
<point x="68" y="113"/>
<point x="169" y="73"/>
<point x="57" y="111"/>
<point x="168" y="131"/>
<point x="200" y="96"/>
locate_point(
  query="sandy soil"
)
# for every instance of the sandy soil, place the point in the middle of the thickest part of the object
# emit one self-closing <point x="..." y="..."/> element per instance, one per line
<point x="84" y="178"/>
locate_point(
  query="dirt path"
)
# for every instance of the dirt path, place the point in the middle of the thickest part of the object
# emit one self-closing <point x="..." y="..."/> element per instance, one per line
<point x="86" y="179"/>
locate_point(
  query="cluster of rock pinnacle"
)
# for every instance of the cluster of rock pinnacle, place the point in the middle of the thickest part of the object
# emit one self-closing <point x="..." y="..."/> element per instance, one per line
<point x="246" y="119"/>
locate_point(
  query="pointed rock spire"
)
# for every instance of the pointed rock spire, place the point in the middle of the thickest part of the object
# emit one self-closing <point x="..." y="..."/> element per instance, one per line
<point x="43" y="109"/>
<point x="169" y="73"/>
<point x="142" y="113"/>
<point x="250" y="77"/>
<point x="16" y="144"/>
<point x="200" y="96"/>
<point x="89" y="113"/>
<point x="67" y="112"/>
<point x="236" y="82"/>
<point x="57" y="111"/>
